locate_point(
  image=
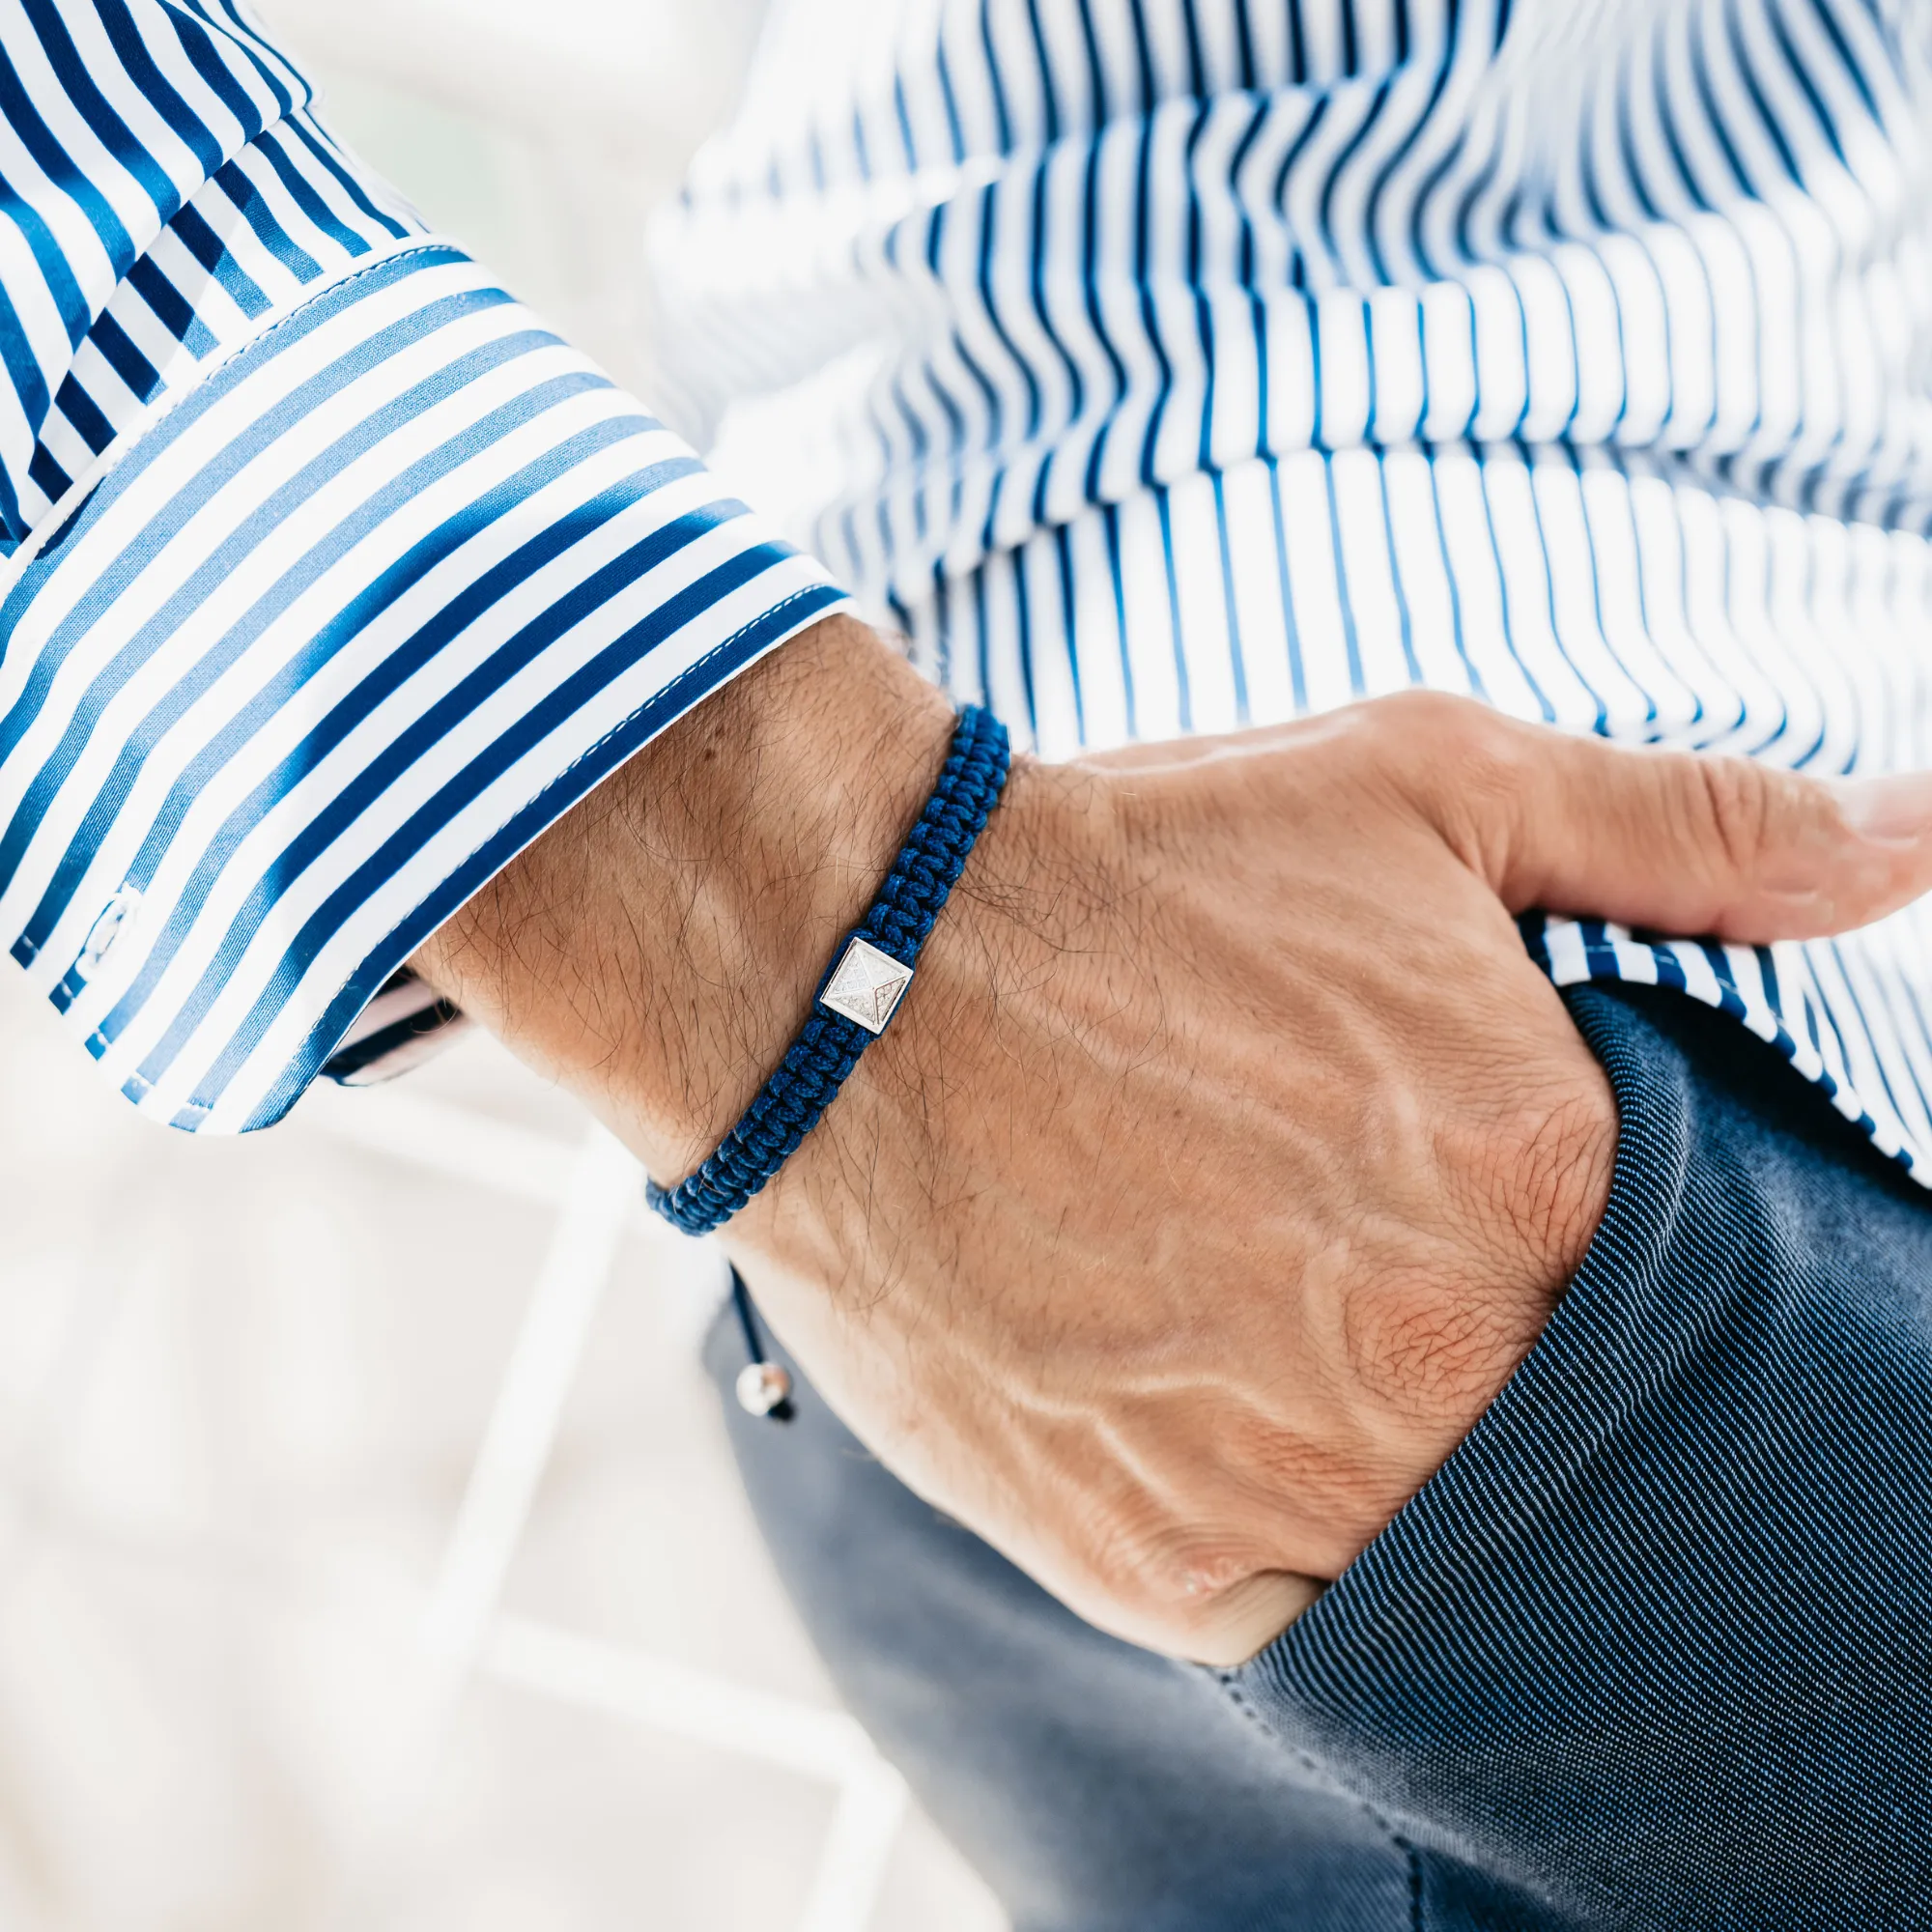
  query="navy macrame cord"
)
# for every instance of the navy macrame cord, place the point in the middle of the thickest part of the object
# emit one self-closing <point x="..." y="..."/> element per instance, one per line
<point x="829" y="1044"/>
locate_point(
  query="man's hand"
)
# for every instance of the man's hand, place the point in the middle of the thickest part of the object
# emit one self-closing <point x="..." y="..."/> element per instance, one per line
<point x="1226" y="1153"/>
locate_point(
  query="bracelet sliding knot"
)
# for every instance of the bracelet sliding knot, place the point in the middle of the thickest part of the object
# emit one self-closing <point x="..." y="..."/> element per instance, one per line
<point x="860" y="992"/>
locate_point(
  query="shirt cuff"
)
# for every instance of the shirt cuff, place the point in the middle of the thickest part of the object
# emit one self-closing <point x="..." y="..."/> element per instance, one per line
<point x="317" y="645"/>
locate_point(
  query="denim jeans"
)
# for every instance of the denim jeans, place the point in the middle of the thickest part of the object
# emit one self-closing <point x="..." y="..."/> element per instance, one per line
<point x="1652" y="1649"/>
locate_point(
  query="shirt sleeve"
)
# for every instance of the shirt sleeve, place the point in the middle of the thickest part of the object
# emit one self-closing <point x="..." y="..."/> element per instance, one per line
<point x="328" y="576"/>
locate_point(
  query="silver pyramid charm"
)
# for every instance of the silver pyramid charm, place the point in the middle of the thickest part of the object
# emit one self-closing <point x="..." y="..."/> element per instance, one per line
<point x="867" y="986"/>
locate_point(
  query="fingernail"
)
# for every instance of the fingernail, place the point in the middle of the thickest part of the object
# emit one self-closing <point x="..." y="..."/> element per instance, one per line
<point x="1897" y="810"/>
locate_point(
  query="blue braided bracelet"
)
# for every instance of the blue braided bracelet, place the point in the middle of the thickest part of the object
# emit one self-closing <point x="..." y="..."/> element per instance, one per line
<point x="860" y="994"/>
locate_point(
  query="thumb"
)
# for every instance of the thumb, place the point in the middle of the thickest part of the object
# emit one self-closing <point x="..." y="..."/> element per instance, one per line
<point x="1677" y="841"/>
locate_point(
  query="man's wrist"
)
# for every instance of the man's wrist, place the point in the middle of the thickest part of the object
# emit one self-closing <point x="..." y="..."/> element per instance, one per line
<point x="658" y="947"/>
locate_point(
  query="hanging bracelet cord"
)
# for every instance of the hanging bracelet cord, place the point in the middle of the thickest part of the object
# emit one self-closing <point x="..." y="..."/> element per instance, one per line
<point x="860" y="994"/>
<point x="763" y="1387"/>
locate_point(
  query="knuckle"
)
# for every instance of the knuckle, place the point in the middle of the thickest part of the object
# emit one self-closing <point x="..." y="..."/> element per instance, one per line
<point x="1435" y="722"/>
<point x="1154" y="1571"/>
<point x="1490" y="757"/>
<point x="1437" y="1343"/>
<point x="1548" y="1191"/>
<point x="1124" y="1552"/>
<point x="1433" y="1354"/>
<point x="1465" y="763"/>
<point x="1739" y="808"/>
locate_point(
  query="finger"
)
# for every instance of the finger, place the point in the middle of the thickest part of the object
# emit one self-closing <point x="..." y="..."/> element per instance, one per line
<point x="1681" y="841"/>
<point x="1244" y="1620"/>
<point x="1224" y="1627"/>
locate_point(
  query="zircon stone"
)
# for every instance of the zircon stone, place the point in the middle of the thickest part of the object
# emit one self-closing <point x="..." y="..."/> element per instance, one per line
<point x="867" y="986"/>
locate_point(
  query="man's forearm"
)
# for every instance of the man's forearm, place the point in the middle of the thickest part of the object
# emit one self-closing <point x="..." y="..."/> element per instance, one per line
<point x="657" y="948"/>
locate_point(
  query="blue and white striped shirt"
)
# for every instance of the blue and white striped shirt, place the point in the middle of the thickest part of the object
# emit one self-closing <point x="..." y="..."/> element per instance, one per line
<point x="1172" y="365"/>
<point x="1159" y="365"/>
<point x="331" y="576"/>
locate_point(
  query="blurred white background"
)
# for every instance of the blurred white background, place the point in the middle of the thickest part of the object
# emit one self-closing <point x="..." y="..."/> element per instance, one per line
<point x="370" y="1554"/>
